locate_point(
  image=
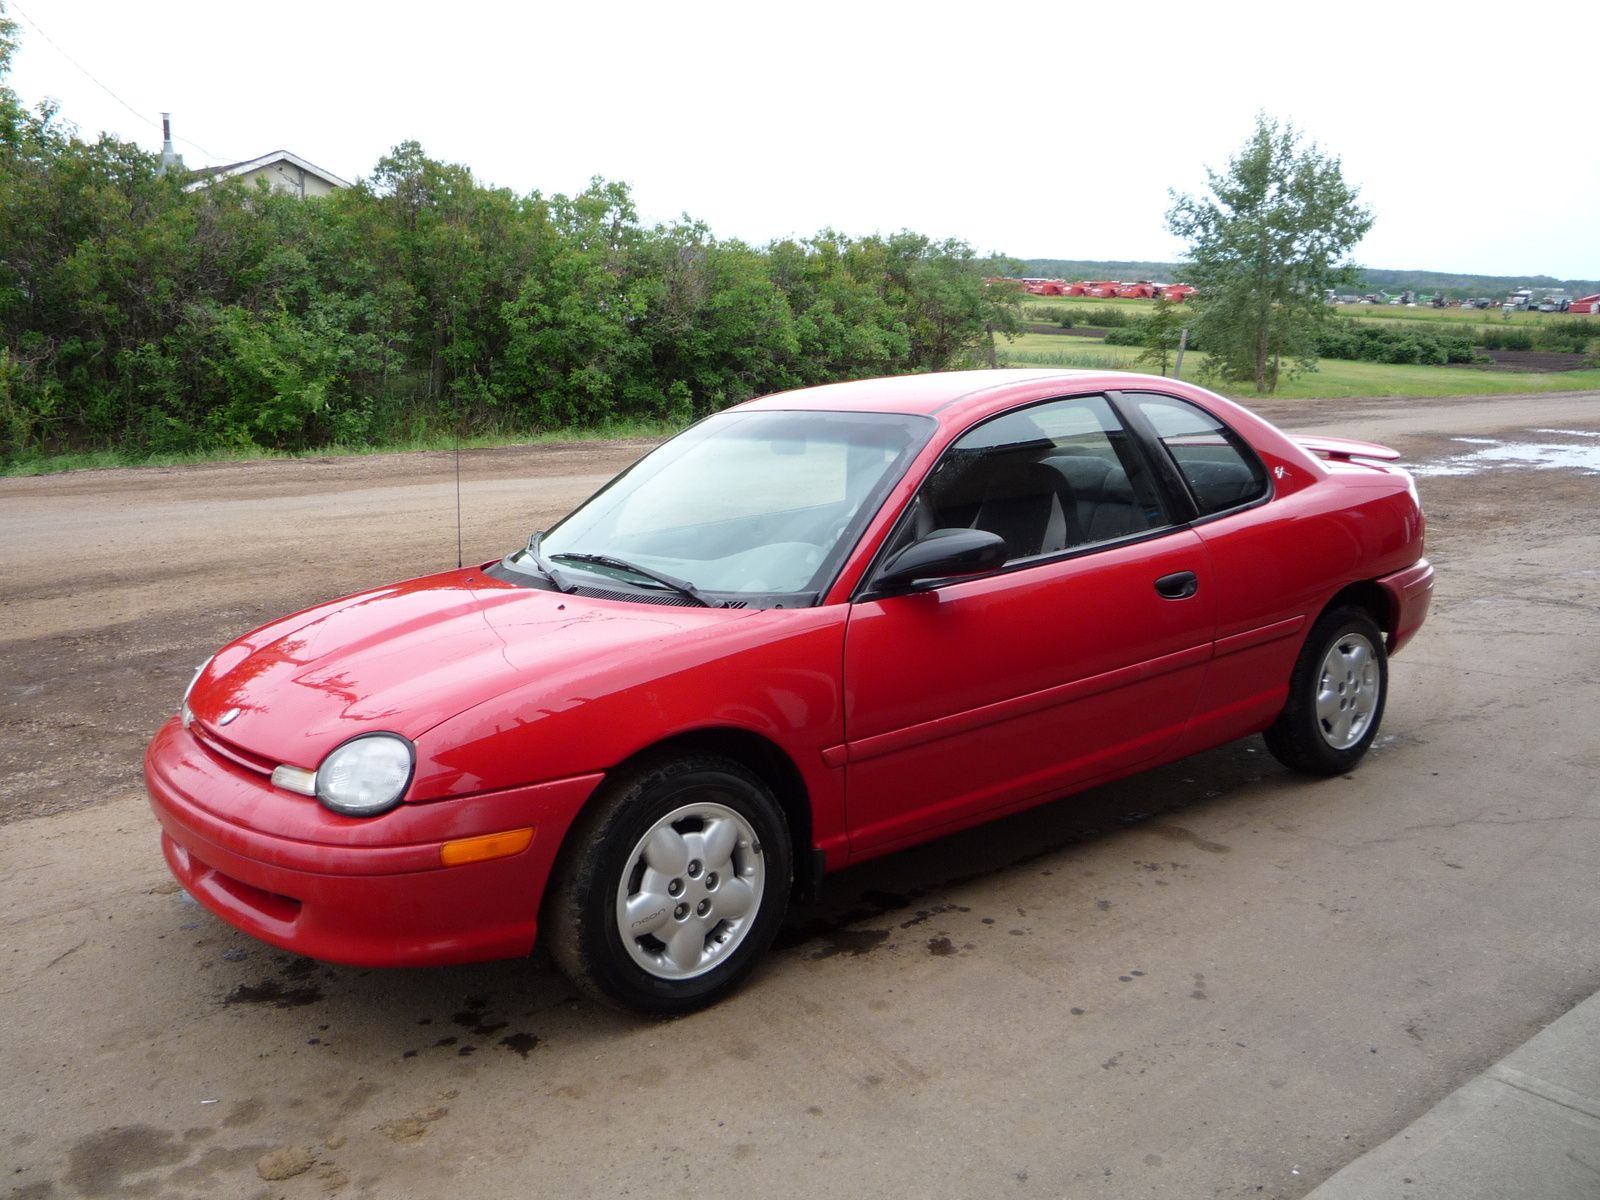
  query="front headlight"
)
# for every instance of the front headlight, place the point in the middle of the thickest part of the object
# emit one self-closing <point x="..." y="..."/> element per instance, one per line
<point x="366" y="775"/>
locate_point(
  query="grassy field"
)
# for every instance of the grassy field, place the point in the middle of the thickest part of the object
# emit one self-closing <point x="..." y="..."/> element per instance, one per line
<point x="1464" y="316"/>
<point x="1474" y="321"/>
<point x="1486" y="317"/>
<point x="1333" y="379"/>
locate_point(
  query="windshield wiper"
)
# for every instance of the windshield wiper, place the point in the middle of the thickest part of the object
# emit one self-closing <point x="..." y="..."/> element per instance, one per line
<point x="682" y="586"/>
<point x="544" y="564"/>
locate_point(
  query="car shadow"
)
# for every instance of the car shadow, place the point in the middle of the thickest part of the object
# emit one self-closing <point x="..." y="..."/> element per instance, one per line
<point x="863" y="894"/>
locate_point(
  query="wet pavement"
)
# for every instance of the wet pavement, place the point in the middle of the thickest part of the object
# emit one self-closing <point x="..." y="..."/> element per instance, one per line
<point x="1550" y="449"/>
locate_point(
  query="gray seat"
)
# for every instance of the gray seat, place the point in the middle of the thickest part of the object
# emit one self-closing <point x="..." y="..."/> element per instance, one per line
<point x="1031" y="506"/>
<point x="1106" y="506"/>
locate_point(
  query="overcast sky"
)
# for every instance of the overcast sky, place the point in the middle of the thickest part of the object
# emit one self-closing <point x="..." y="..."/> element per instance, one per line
<point x="1038" y="130"/>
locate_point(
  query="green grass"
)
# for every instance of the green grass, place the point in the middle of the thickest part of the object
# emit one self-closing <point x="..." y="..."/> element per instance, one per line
<point x="91" y="460"/>
<point x="1334" y="378"/>
<point x="1057" y="350"/>
<point x="1425" y="312"/>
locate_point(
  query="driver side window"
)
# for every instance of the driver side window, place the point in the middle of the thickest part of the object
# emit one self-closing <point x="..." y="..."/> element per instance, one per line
<point x="1045" y="479"/>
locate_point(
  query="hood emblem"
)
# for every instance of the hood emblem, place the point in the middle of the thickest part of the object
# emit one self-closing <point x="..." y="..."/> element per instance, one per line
<point x="228" y="717"/>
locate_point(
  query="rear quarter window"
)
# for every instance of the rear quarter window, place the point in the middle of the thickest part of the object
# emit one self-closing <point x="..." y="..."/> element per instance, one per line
<point x="1222" y="472"/>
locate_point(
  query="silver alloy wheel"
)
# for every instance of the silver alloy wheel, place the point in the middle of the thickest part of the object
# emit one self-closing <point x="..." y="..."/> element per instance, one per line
<point x="690" y="891"/>
<point x="1347" y="691"/>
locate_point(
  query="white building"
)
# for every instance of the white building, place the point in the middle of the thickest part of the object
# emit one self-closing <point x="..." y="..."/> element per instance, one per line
<point x="283" y="171"/>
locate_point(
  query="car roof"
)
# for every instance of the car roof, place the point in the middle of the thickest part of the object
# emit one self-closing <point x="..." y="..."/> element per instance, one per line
<point x="956" y="399"/>
<point x="928" y="393"/>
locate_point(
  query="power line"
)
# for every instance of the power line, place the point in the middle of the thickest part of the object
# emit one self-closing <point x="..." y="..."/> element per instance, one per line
<point x="89" y="75"/>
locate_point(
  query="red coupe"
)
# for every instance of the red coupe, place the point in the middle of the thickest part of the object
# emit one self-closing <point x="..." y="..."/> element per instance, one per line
<point x="814" y="628"/>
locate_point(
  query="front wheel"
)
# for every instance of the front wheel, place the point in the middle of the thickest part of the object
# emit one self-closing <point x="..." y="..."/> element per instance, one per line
<point x="672" y="886"/>
<point x="1336" y="696"/>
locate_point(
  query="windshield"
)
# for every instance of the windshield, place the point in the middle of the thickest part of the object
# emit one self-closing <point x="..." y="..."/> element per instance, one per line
<point x="757" y="504"/>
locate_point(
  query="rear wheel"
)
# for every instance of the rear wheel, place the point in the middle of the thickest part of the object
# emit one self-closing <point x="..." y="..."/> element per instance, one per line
<point x="1336" y="696"/>
<point x="672" y="886"/>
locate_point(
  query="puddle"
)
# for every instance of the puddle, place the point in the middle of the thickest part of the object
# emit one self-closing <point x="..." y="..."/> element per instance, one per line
<point x="1489" y="453"/>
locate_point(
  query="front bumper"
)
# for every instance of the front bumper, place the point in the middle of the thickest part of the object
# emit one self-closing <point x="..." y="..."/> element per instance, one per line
<point x="363" y="891"/>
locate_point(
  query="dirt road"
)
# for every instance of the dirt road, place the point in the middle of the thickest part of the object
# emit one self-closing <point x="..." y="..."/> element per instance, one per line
<point x="1213" y="980"/>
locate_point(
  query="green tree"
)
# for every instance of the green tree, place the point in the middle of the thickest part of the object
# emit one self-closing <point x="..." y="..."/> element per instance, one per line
<point x="1265" y="246"/>
<point x="1160" y="332"/>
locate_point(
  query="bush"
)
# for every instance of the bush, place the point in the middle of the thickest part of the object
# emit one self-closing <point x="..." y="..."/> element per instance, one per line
<point x="1571" y="334"/>
<point x="1509" y="337"/>
<point x="1107" y="318"/>
<point x="1049" y="314"/>
<point x="1360" y="341"/>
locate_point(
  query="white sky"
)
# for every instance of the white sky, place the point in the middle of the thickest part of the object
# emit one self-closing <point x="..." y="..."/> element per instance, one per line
<point x="1037" y="129"/>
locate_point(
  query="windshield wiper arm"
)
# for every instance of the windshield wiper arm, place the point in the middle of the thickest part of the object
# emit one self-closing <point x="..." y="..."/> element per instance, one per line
<point x="682" y="586"/>
<point x="544" y="564"/>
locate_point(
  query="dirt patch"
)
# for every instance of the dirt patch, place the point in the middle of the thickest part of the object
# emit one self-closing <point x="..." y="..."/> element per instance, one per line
<point x="119" y="583"/>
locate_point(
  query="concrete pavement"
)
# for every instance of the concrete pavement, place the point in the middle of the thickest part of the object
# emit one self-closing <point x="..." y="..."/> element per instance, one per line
<point x="1528" y="1127"/>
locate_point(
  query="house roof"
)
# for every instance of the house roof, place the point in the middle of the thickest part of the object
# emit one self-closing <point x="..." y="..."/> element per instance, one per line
<point x="206" y="174"/>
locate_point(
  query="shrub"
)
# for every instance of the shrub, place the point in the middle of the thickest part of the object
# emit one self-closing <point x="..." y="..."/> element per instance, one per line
<point x="1571" y="334"/>
<point x="1049" y="314"/>
<point x="1366" y="342"/>
<point x="1106" y="318"/>
<point x="1510" y="337"/>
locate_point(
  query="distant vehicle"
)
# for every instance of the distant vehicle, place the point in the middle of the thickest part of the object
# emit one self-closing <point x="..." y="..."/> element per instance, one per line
<point x="1586" y="305"/>
<point x="1177" y="293"/>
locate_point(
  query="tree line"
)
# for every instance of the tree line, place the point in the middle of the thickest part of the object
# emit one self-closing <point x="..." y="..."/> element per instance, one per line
<point x="142" y="313"/>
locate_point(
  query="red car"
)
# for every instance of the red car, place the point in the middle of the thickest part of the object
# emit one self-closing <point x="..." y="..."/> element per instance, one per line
<point x="814" y="628"/>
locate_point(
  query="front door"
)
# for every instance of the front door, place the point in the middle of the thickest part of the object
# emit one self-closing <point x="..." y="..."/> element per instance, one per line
<point x="1082" y="657"/>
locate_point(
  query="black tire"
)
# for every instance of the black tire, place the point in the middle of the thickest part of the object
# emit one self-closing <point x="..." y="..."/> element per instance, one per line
<point x="716" y="913"/>
<point x="1337" y="691"/>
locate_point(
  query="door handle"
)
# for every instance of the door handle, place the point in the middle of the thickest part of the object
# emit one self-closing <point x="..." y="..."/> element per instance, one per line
<point x="1180" y="585"/>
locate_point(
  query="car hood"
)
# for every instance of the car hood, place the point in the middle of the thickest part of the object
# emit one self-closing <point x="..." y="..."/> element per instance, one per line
<point x="406" y="657"/>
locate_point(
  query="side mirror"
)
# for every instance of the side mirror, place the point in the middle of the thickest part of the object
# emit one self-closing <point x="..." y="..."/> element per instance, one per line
<point x="943" y="554"/>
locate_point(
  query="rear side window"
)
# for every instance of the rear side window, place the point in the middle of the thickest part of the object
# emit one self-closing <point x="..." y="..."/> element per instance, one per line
<point x="1221" y="471"/>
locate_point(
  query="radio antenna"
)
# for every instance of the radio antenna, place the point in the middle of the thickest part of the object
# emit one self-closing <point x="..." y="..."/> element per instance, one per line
<point x="458" y="489"/>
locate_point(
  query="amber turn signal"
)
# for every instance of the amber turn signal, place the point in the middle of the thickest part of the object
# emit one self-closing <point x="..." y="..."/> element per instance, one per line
<point x="481" y="849"/>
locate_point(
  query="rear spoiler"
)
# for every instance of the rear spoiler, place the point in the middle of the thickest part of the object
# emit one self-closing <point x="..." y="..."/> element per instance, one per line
<point x="1344" y="449"/>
